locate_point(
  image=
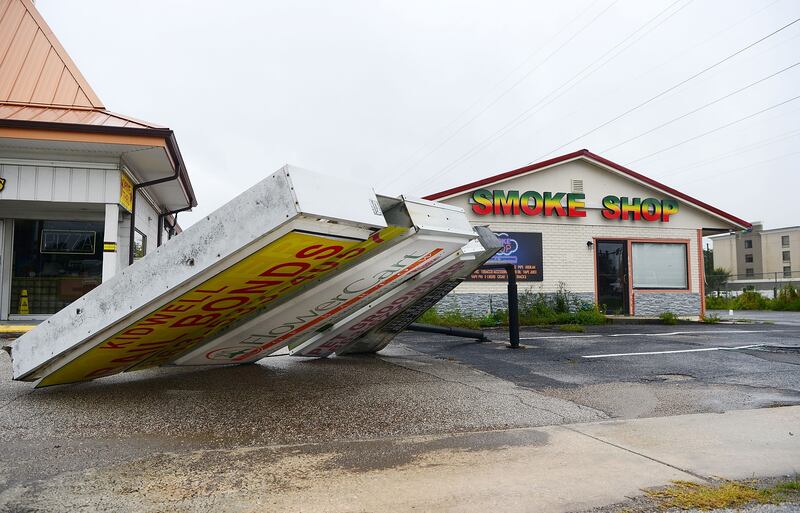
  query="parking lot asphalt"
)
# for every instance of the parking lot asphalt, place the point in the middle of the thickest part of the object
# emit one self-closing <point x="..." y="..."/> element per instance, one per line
<point x="632" y="371"/>
<point x="183" y="439"/>
<point x="278" y="401"/>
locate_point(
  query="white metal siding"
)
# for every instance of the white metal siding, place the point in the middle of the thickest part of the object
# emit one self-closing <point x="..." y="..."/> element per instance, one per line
<point x="146" y="221"/>
<point x="73" y="184"/>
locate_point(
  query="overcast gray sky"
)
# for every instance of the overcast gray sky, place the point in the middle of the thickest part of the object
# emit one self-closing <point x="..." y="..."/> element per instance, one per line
<point x="418" y="96"/>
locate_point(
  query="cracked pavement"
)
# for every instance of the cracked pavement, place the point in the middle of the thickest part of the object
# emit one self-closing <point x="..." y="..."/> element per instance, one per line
<point x="278" y="401"/>
<point x="258" y="437"/>
<point x="680" y="372"/>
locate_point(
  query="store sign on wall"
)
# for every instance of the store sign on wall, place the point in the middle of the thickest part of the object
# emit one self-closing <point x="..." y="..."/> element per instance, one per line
<point x="523" y="250"/>
<point x="68" y="242"/>
<point x="125" y="192"/>
<point x="562" y="204"/>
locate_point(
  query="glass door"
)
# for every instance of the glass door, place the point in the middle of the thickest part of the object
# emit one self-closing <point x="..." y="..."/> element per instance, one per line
<point x="54" y="263"/>
<point x="612" y="276"/>
<point x="4" y="273"/>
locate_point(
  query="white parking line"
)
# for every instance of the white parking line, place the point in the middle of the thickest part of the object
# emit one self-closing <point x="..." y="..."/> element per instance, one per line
<point x="562" y="336"/>
<point x="667" y="334"/>
<point x="674" y="351"/>
<point x="701" y="332"/>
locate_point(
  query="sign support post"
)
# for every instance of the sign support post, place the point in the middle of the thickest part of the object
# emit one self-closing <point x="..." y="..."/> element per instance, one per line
<point x="513" y="304"/>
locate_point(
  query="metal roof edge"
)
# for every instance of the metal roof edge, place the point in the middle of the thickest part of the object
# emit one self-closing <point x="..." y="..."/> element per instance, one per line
<point x="167" y="134"/>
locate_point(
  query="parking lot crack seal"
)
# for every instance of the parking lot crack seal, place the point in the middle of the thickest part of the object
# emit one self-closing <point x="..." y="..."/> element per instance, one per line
<point x="670" y="465"/>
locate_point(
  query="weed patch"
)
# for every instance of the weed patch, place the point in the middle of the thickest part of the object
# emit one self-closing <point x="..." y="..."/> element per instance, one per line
<point x="725" y="494"/>
<point x="688" y="495"/>
<point x="668" y="318"/>
<point x="559" y="308"/>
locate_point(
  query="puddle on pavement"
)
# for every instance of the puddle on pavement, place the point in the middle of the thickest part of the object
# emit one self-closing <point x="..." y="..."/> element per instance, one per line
<point x="669" y="378"/>
<point x="365" y="456"/>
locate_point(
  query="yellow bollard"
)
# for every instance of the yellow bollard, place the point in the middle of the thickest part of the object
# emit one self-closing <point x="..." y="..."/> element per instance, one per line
<point x="23" y="302"/>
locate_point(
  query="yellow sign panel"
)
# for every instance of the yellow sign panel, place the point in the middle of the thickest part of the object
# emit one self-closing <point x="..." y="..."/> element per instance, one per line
<point x="2" y="184"/>
<point x="246" y="287"/>
<point x="125" y="192"/>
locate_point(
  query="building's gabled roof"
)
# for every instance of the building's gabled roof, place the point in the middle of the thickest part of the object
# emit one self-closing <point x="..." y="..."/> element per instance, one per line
<point x="34" y="67"/>
<point x="70" y="115"/>
<point x="42" y="89"/>
<point x="588" y="155"/>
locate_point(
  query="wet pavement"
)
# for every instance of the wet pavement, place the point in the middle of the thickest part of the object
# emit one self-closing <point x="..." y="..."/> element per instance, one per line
<point x="212" y="439"/>
<point x="278" y="401"/>
<point x="633" y="371"/>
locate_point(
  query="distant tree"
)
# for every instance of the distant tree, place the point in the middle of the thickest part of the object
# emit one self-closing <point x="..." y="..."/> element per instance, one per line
<point x="716" y="278"/>
<point x="708" y="260"/>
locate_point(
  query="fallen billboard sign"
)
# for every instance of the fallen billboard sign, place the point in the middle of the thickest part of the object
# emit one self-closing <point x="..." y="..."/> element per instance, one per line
<point x="197" y="315"/>
<point x="371" y="328"/>
<point x="433" y="235"/>
<point x="214" y="288"/>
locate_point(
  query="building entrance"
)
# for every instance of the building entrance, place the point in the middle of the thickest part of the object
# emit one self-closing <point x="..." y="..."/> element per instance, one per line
<point x="612" y="276"/>
<point x="53" y="264"/>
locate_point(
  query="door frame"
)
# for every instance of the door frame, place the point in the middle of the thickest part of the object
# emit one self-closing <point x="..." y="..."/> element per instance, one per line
<point x="628" y="271"/>
<point x="6" y="243"/>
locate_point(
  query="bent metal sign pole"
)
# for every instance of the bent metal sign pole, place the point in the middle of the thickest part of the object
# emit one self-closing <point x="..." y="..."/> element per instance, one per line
<point x="372" y="327"/>
<point x="272" y="267"/>
<point x="431" y="238"/>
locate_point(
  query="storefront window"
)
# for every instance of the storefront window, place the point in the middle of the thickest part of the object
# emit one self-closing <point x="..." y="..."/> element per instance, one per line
<point x="139" y="245"/>
<point x="54" y="263"/>
<point x="659" y="266"/>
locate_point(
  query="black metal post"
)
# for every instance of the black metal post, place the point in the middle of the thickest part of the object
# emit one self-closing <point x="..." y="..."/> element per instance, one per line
<point x="446" y="330"/>
<point x="513" y="308"/>
<point x="513" y="303"/>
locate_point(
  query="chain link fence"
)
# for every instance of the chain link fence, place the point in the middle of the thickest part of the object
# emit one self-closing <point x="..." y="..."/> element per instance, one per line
<point x="767" y="284"/>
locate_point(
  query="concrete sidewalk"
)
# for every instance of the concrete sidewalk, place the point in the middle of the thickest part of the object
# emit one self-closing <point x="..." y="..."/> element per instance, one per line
<point x="550" y="469"/>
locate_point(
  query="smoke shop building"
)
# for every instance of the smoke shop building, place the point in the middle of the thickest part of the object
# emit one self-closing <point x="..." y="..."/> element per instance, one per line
<point x="83" y="191"/>
<point x="583" y="224"/>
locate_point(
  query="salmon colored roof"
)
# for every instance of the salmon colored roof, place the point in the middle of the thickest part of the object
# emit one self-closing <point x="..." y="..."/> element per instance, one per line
<point x="588" y="155"/>
<point x="41" y="88"/>
<point x="97" y="117"/>
<point x="38" y="79"/>
<point x="34" y="67"/>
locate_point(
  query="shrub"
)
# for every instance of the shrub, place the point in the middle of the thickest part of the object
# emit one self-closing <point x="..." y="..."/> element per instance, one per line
<point x="788" y="299"/>
<point x="668" y="318"/>
<point x="534" y="310"/>
<point x="718" y="303"/>
<point x="710" y="319"/>
<point x="453" y="318"/>
<point x="576" y="328"/>
<point x="751" y="300"/>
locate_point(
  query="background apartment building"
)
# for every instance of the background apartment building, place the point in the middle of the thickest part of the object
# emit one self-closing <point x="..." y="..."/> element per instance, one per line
<point x="759" y="257"/>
